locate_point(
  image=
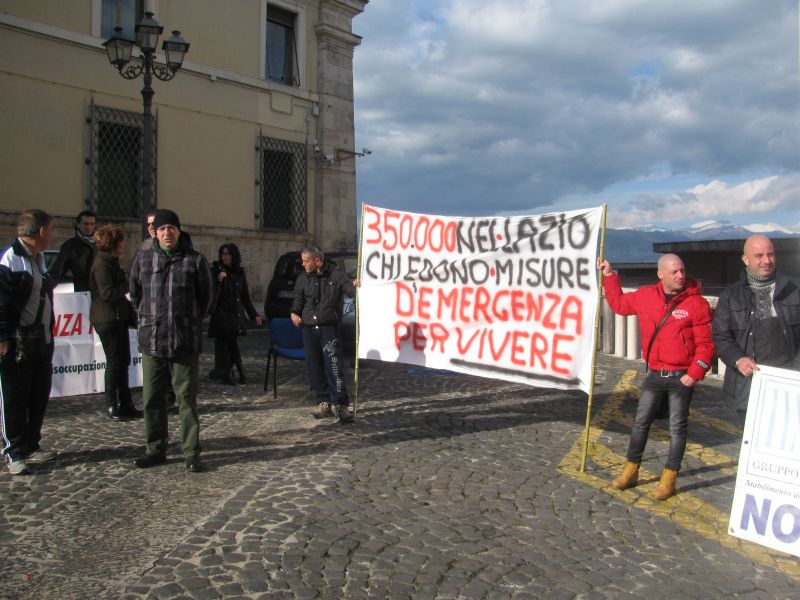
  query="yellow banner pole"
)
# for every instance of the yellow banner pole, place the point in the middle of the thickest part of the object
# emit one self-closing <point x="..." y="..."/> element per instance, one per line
<point x="358" y="275"/>
<point x="585" y="450"/>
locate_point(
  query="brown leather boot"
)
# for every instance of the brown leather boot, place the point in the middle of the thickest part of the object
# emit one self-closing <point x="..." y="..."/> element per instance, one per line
<point x="628" y="478"/>
<point x="666" y="487"/>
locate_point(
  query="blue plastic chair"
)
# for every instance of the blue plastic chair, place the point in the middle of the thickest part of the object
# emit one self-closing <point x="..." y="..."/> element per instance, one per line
<point x="285" y="340"/>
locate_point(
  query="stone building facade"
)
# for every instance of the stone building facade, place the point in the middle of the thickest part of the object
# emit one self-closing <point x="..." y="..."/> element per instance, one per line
<point x="253" y="137"/>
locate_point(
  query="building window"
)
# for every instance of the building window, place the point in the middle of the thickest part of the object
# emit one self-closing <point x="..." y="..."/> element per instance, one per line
<point x="282" y="46"/>
<point x="115" y="162"/>
<point x="282" y="183"/>
<point x="122" y="13"/>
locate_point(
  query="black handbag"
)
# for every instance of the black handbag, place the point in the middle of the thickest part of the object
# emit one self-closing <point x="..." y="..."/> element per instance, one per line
<point x="132" y="321"/>
<point x="29" y="340"/>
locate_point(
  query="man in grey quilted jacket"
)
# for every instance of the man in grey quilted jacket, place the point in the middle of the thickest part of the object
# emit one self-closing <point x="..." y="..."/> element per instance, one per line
<point x="171" y="289"/>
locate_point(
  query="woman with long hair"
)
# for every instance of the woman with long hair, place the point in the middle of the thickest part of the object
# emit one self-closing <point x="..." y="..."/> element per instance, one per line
<point x="110" y="314"/>
<point x="228" y="318"/>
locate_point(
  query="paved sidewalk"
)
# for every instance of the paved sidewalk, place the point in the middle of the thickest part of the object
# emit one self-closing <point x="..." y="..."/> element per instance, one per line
<point x="446" y="486"/>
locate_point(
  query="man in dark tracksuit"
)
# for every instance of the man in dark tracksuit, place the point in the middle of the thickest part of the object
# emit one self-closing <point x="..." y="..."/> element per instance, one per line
<point x="26" y="303"/>
<point x="172" y="290"/>
<point x="757" y="322"/>
<point x="317" y="307"/>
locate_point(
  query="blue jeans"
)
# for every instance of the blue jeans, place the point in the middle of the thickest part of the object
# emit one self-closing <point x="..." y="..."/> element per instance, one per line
<point x="325" y="364"/>
<point x="654" y="390"/>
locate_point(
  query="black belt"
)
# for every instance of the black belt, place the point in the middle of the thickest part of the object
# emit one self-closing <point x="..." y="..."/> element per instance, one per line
<point x="665" y="373"/>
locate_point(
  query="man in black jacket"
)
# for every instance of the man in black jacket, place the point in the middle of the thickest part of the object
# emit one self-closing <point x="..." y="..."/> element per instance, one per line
<point x="77" y="253"/>
<point x="757" y="322"/>
<point x="317" y="308"/>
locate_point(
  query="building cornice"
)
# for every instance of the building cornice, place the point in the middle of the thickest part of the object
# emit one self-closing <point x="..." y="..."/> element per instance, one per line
<point x="352" y="7"/>
<point x="328" y="33"/>
<point x="94" y="44"/>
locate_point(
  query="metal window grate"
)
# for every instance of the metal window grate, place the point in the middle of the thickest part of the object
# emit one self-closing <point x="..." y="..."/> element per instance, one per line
<point x="115" y="162"/>
<point x="282" y="181"/>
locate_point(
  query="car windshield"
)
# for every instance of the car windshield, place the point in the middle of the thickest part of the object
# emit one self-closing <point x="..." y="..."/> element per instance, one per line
<point x="349" y="264"/>
<point x="50" y="257"/>
<point x="289" y="266"/>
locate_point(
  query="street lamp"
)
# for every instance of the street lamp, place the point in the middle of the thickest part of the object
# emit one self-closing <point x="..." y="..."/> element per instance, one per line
<point x="119" y="48"/>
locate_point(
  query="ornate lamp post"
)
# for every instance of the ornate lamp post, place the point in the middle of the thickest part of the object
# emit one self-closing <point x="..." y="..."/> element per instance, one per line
<point x="119" y="48"/>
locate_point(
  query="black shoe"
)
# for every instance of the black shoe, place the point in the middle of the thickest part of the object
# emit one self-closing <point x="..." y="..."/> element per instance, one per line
<point x="129" y="411"/>
<point x="242" y="376"/>
<point x="194" y="465"/>
<point x="114" y="413"/>
<point x="150" y="460"/>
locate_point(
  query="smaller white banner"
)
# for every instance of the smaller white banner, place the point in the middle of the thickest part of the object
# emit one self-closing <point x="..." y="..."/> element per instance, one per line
<point x="766" y="501"/>
<point x="79" y="363"/>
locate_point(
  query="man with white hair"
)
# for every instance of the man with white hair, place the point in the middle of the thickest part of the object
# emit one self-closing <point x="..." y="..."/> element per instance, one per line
<point x="26" y="341"/>
<point x="675" y="323"/>
<point x="757" y="322"/>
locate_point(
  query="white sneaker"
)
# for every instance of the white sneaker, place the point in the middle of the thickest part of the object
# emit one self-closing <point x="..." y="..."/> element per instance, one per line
<point x="18" y="467"/>
<point x="39" y="456"/>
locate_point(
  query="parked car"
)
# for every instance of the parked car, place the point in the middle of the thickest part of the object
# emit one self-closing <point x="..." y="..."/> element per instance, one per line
<point x="280" y="291"/>
<point x="66" y="285"/>
<point x="50" y="257"/>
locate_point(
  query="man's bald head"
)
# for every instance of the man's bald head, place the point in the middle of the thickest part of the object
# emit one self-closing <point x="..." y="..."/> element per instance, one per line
<point x="672" y="273"/>
<point x="665" y="259"/>
<point x="759" y="256"/>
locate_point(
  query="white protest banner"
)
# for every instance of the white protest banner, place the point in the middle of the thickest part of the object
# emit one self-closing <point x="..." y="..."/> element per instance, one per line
<point x="766" y="500"/>
<point x="511" y="298"/>
<point x="79" y="362"/>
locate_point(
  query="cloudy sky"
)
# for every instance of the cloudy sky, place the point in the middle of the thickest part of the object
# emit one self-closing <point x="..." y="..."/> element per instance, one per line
<point x="670" y="111"/>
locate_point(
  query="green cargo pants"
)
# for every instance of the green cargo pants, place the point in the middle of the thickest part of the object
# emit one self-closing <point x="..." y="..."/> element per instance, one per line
<point x="183" y="372"/>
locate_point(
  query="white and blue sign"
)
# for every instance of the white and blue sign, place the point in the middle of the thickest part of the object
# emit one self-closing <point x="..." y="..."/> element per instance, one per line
<point x="766" y="501"/>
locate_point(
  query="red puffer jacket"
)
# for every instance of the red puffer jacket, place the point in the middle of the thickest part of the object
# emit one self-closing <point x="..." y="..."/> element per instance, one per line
<point x="684" y="341"/>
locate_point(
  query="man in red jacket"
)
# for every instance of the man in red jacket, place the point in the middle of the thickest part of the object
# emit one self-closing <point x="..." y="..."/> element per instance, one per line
<point x="675" y="323"/>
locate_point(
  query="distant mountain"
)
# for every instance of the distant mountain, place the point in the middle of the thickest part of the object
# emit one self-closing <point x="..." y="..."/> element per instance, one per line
<point x="636" y="245"/>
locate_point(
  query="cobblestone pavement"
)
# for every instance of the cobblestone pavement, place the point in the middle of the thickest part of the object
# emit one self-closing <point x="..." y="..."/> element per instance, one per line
<point x="446" y="486"/>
